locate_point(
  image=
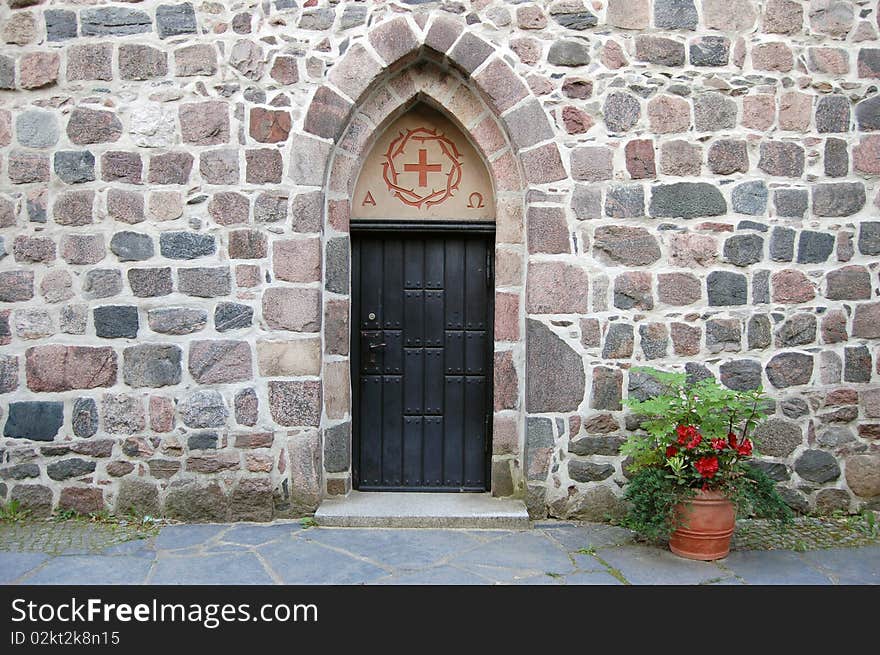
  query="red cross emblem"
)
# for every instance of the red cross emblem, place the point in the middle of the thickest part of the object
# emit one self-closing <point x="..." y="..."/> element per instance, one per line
<point x="423" y="167"/>
<point x="442" y="155"/>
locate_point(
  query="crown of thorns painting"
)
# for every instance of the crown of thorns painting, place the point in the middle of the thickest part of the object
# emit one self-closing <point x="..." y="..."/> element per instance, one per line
<point x="438" y="167"/>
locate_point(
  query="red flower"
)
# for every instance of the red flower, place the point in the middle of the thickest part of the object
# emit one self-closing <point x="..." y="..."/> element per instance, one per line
<point x="686" y="432"/>
<point x="745" y="448"/>
<point x="731" y="439"/>
<point x="719" y="444"/>
<point x="693" y="443"/>
<point x="671" y="451"/>
<point x="682" y="431"/>
<point x="707" y="466"/>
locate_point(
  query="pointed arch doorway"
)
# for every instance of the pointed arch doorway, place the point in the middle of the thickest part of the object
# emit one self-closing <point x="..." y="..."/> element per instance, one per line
<point x="422" y="229"/>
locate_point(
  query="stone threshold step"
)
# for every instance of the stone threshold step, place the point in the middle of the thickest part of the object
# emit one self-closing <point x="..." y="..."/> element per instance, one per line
<point x="422" y="510"/>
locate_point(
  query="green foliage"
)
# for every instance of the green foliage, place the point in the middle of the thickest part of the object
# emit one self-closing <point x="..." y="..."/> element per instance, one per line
<point x="12" y="511"/>
<point x="65" y="515"/>
<point x="756" y="495"/>
<point x="308" y="522"/>
<point x="865" y="522"/>
<point x="101" y="516"/>
<point x="69" y="514"/>
<point x="652" y="495"/>
<point x="699" y="436"/>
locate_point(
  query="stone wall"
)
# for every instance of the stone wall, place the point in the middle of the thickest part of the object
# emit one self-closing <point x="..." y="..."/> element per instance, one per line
<point x="684" y="184"/>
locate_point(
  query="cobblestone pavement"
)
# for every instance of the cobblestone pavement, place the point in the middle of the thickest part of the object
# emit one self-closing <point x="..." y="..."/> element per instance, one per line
<point x="70" y="537"/>
<point x="285" y="552"/>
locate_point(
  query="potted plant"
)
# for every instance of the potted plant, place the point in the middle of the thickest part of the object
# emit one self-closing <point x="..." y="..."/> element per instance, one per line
<point x="690" y="474"/>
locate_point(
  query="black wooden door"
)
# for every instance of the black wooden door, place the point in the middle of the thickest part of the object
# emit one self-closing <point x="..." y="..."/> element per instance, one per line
<point x="421" y="360"/>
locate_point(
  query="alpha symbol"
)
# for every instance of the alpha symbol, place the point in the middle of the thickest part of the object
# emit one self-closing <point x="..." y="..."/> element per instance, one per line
<point x="368" y="200"/>
<point x="423" y="167"/>
<point x="475" y="200"/>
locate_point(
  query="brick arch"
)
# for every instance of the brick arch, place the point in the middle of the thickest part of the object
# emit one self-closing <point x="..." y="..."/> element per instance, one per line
<point x="449" y="93"/>
<point x="398" y="63"/>
<point x="395" y="44"/>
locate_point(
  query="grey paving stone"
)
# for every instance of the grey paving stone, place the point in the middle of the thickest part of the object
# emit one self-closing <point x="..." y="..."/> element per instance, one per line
<point x="435" y="575"/>
<point x="586" y="562"/>
<point x="15" y="565"/>
<point x="575" y="537"/>
<point x="591" y="578"/>
<point x="525" y="551"/>
<point x="484" y="536"/>
<point x="74" y="550"/>
<point x="396" y="548"/>
<point x="773" y="567"/>
<point x="506" y="575"/>
<point x="255" y="535"/>
<point x="91" y="570"/>
<point x="136" y="548"/>
<point x="213" y="548"/>
<point x="848" y="565"/>
<point x="284" y="551"/>
<point x="297" y="561"/>
<point x="218" y="569"/>
<point x="186" y="536"/>
<point x="643" y="565"/>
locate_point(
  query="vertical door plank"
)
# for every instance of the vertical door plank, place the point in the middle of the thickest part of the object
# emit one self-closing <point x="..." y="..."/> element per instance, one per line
<point x="434" y="263"/>
<point x="391" y="355"/>
<point x="392" y="285"/>
<point x="371" y="284"/>
<point x="474" y="425"/>
<point x="370" y="429"/>
<point x="414" y="310"/>
<point x="475" y="285"/>
<point x="392" y="430"/>
<point x="414" y="381"/>
<point x="453" y="435"/>
<point x="414" y="263"/>
<point x="435" y="381"/>
<point x="454" y="284"/>
<point x="454" y="352"/>
<point x="475" y="352"/>
<point x="434" y="318"/>
<point x="432" y="451"/>
<point x="412" y="451"/>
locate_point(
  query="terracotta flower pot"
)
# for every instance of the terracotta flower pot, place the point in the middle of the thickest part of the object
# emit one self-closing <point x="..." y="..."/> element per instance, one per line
<point x="706" y="525"/>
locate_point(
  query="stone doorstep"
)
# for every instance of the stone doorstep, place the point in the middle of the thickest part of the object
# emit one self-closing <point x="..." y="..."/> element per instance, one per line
<point x="423" y="510"/>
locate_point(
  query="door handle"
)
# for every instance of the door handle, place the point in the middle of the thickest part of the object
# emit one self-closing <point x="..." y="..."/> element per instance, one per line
<point x="377" y="346"/>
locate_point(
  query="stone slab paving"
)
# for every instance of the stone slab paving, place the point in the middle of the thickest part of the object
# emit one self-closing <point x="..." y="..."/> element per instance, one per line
<point x="12" y="564"/>
<point x="647" y="565"/>
<point x="236" y="568"/>
<point x="90" y="570"/>
<point x="285" y="552"/>
<point x="776" y="567"/>
<point x="848" y="565"/>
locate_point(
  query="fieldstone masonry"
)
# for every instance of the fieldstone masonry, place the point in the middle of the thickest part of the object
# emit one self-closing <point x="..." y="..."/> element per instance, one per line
<point x="687" y="183"/>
